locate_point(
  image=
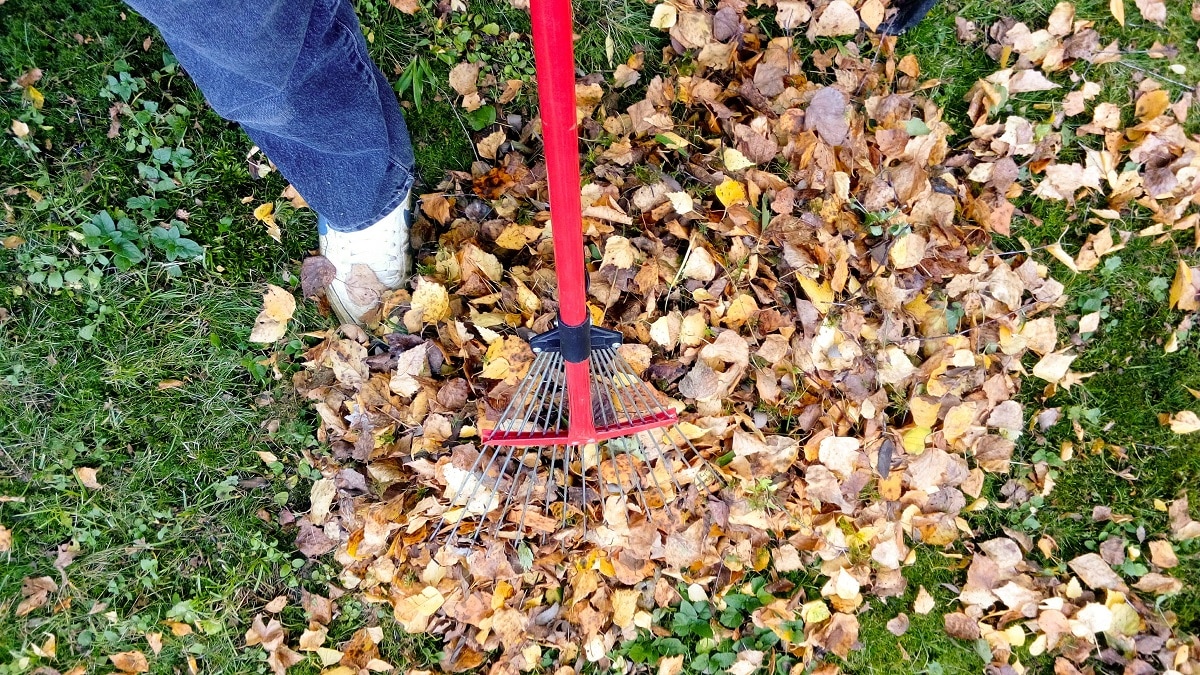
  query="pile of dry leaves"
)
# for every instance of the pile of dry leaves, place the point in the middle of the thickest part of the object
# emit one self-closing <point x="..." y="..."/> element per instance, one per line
<point x="799" y="255"/>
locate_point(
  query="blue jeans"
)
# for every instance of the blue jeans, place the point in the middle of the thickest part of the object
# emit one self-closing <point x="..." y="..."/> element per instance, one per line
<point x="296" y="75"/>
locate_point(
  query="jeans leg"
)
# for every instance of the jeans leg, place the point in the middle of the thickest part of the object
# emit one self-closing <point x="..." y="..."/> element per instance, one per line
<point x="296" y="75"/>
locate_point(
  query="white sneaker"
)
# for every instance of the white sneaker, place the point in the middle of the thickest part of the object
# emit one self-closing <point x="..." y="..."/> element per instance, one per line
<point x="367" y="263"/>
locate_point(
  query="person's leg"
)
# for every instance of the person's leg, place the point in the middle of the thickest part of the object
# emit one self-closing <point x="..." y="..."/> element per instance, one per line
<point x="296" y="75"/>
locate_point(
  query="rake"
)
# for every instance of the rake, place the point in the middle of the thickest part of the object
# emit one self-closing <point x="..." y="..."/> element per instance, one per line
<point x="582" y="427"/>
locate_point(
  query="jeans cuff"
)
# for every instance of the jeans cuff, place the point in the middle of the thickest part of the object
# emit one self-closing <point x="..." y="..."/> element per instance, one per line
<point x="398" y="197"/>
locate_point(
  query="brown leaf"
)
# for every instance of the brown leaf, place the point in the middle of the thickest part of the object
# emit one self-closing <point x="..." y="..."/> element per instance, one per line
<point x="1093" y="571"/>
<point x="318" y="608"/>
<point x="311" y="540"/>
<point x="1154" y="11"/>
<point x="35" y="593"/>
<point x="961" y="626"/>
<point x="87" y="476"/>
<point x="898" y="625"/>
<point x="1162" y="554"/>
<point x="436" y="206"/>
<point x="489" y="145"/>
<point x="29" y="78"/>
<point x="276" y="605"/>
<point x="316" y="272"/>
<point x="1158" y="584"/>
<point x="827" y="114"/>
<point x="407" y="6"/>
<point x="154" y="640"/>
<point x="130" y="662"/>
<point x="463" y="78"/>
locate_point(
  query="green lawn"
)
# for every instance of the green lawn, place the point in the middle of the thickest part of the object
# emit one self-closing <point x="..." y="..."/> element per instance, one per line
<point x="146" y="375"/>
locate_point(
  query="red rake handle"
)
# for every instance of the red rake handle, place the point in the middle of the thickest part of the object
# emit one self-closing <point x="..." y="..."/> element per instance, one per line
<point x="555" y="59"/>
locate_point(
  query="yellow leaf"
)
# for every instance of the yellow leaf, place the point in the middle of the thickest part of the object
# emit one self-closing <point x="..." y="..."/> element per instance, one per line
<point x="271" y="323"/>
<point x="1053" y="366"/>
<point x="1117" y="7"/>
<point x="958" y="421"/>
<point x="515" y="236"/>
<point x="814" y="612"/>
<point x="664" y="17"/>
<point x="740" y="310"/>
<point x="735" y="160"/>
<point x="914" y="440"/>
<point x="432" y="300"/>
<point x="265" y="212"/>
<point x="1182" y="295"/>
<point x="731" y="192"/>
<point x="328" y="656"/>
<point x="1057" y="251"/>
<point x="907" y="251"/>
<point x="819" y="294"/>
<point x="1152" y="104"/>
<point x="35" y="97"/>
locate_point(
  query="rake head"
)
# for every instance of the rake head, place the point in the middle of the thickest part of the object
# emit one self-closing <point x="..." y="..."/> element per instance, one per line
<point x="552" y="459"/>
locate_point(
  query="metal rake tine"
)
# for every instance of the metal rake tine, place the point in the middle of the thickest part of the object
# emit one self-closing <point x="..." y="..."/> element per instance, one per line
<point x="625" y="399"/>
<point x="539" y="365"/>
<point x="566" y="481"/>
<point x="512" y="489"/>
<point x="528" y="494"/>
<point x="638" y="392"/>
<point x="495" y="487"/>
<point x="634" y="395"/>
<point x="653" y="403"/>
<point x="604" y="362"/>
<point x="600" y="397"/>
<point x="523" y="390"/>
<point x="543" y="384"/>
<point x="551" y="486"/>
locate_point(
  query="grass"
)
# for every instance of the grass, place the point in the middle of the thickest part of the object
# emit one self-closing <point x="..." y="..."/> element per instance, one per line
<point x="177" y="529"/>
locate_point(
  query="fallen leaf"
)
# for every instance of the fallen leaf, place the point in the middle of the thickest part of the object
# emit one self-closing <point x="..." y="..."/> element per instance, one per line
<point x="35" y="593"/>
<point x="665" y="16"/>
<point x="839" y="18"/>
<point x="130" y="662"/>
<point x="87" y="476"/>
<point x="961" y="626"/>
<point x="827" y="111"/>
<point x="1185" y="422"/>
<point x="265" y="214"/>
<point x="731" y="192"/>
<point x="316" y="272"/>
<point x="463" y="78"/>
<point x="898" y="625"/>
<point x="430" y="302"/>
<point x="1093" y="571"/>
<point x="923" y="604"/>
<point x="271" y="323"/>
<point x="407" y="6"/>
